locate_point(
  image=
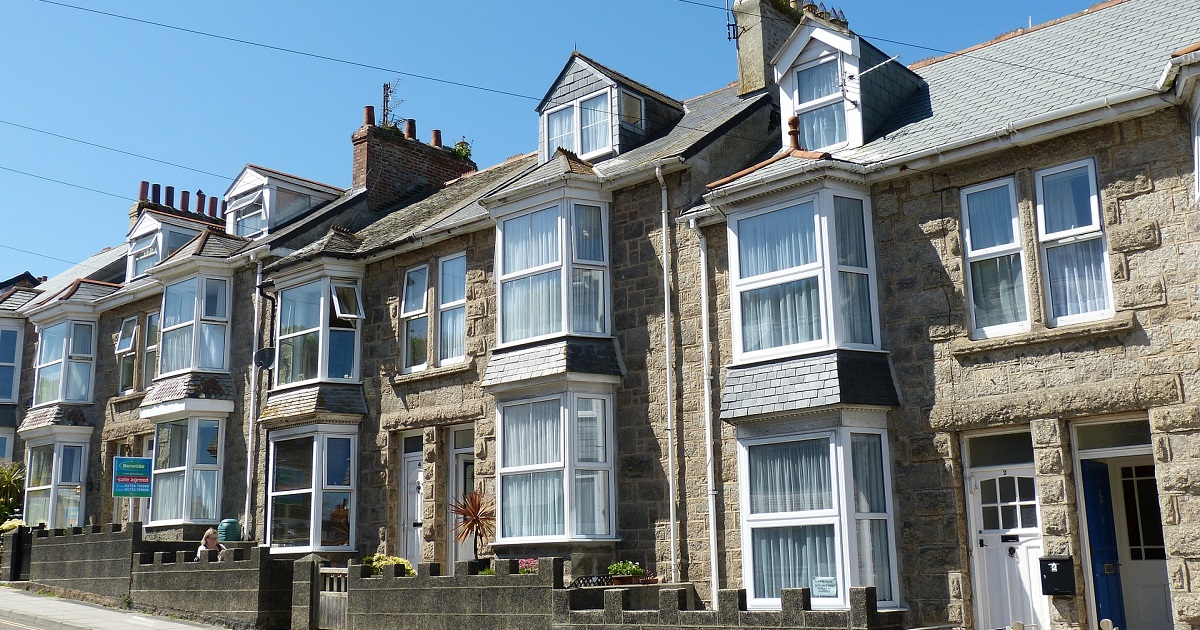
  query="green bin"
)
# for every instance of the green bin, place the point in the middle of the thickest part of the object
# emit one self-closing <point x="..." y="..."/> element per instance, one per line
<point x="229" y="530"/>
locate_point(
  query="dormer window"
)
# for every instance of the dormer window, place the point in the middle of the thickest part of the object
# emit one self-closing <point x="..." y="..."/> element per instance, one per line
<point x="249" y="218"/>
<point x="261" y="199"/>
<point x="820" y="104"/>
<point x="583" y="126"/>
<point x="149" y="249"/>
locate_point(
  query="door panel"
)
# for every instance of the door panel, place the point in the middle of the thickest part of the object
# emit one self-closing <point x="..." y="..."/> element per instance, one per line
<point x="1102" y="542"/>
<point x="462" y="481"/>
<point x="410" y="508"/>
<point x="1142" y="550"/>
<point x="1006" y="547"/>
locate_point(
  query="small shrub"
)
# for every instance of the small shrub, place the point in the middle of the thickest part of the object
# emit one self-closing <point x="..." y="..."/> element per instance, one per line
<point x="487" y="571"/>
<point x="626" y="567"/>
<point x="527" y="565"/>
<point x="375" y="563"/>
<point x="10" y="525"/>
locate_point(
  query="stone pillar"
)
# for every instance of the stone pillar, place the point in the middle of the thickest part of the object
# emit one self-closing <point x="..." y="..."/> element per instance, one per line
<point x="1060" y="518"/>
<point x="306" y="589"/>
<point x="1175" y="437"/>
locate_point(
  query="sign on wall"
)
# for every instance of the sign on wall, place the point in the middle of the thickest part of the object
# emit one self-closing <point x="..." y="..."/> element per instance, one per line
<point x="131" y="477"/>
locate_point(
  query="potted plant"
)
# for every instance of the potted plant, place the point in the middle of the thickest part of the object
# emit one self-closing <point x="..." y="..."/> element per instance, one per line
<point x="625" y="572"/>
<point x="476" y="519"/>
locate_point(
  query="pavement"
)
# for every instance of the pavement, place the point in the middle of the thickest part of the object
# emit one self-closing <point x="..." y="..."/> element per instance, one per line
<point x="45" y="612"/>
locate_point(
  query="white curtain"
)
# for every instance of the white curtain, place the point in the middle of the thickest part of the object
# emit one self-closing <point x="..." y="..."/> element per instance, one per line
<point x="596" y="132"/>
<point x="531" y="240"/>
<point x="212" y="346"/>
<point x="790" y="557"/>
<point x="532" y="305"/>
<point x="533" y="504"/>
<point x="177" y="349"/>
<point x="781" y="315"/>
<point x="818" y="81"/>
<point x="790" y="477"/>
<point x="179" y="303"/>
<point x="823" y="127"/>
<point x="560" y="130"/>
<point x="37" y="507"/>
<point x="204" y="495"/>
<point x="589" y="233"/>
<point x="587" y="300"/>
<point x="851" y="232"/>
<point x="79" y="379"/>
<point x="590" y="431"/>
<point x="452" y="333"/>
<point x="990" y="218"/>
<point x="1077" y="279"/>
<point x="532" y="434"/>
<point x="591" y="502"/>
<point x="856" y="307"/>
<point x="167" y="500"/>
<point x="874" y="562"/>
<point x="870" y="493"/>
<point x="997" y="290"/>
<point x="41" y="466"/>
<point x="777" y="240"/>
<point x="49" y="378"/>
<point x="1067" y="200"/>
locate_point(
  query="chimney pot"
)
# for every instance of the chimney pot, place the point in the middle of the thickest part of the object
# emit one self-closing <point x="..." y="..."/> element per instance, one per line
<point x="369" y="116"/>
<point x="212" y="207"/>
<point x="436" y="140"/>
<point x="410" y="128"/>
<point x="155" y="193"/>
<point x="199" y="202"/>
<point x="169" y="197"/>
<point x="224" y="207"/>
<point x="184" y="199"/>
<point x="144" y="190"/>
<point x="794" y="131"/>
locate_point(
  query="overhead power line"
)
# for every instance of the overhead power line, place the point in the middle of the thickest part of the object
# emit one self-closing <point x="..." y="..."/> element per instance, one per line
<point x="72" y="185"/>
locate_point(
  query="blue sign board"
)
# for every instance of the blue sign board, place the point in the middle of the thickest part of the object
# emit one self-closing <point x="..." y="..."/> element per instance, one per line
<point x="131" y="477"/>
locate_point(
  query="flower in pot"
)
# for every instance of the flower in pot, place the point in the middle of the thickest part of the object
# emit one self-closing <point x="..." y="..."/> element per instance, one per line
<point x="626" y="572"/>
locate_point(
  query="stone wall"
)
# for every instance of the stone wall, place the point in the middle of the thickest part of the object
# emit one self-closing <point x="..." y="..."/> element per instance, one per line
<point x="95" y="561"/>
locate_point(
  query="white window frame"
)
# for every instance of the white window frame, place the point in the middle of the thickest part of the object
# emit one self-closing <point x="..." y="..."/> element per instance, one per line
<point x="234" y="212"/>
<point x="568" y="262"/>
<point x="568" y="463"/>
<point x="7" y="437"/>
<point x="411" y="314"/>
<point x="825" y="269"/>
<point x="76" y="439"/>
<point x="150" y="344"/>
<point x="200" y="320"/>
<point x="14" y="362"/>
<point x="320" y="434"/>
<point x="1196" y="142"/>
<point x="842" y="515"/>
<point x="67" y="355"/>
<point x="1076" y="235"/>
<point x="837" y="97"/>
<point x="190" y="468"/>
<point x="126" y="352"/>
<point x="155" y="245"/>
<point x="576" y="107"/>
<point x="445" y="307"/>
<point x="328" y="284"/>
<point x="972" y="255"/>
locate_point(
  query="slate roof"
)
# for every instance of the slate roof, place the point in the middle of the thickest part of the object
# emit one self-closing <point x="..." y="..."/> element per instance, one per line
<point x="208" y="244"/>
<point x="612" y="75"/>
<point x="577" y="355"/>
<point x="561" y="164"/>
<point x="57" y="414"/>
<point x="314" y="399"/>
<point x="92" y="265"/>
<point x="351" y="202"/>
<point x="17" y="297"/>
<point x="837" y="377"/>
<point x="189" y="385"/>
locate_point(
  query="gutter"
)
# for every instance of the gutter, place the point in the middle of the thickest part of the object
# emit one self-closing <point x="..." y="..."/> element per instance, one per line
<point x="670" y="374"/>
<point x="709" y="455"/>
<point x="1173" y="68"/>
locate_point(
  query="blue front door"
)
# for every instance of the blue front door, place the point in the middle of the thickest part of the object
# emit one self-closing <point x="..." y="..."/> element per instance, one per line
<point x="1102" y="540"/>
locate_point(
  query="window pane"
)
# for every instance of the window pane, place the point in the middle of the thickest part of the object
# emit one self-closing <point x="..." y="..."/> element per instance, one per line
<point x="560" y="130"/>
<point x="791" y="557"/>
<point x="81" y="339"/>
<point x="855" y="308"/>
<point x="151" y="330"/>
<point x="347" y="301"/>
<point x="335" y="519"/>
<point x="1067" y="200"/>
<point x="790" y="477"/>
<point x="7" y="378"/>
<point x="144" y="260"/>
<point x="464" y="438"/>
<point x="49" y="379"/>
<point x="37" y="506"/>
<point x="818" y="81"/>
<point x="150" y="367"/>
<point x="591" y="431"/>
<point x="532" y="306"/>
<point x="250" y="220"/>
<point x="851" y="232"/>
<point x="341" y="354"/>
<point x="781" y="315"/>
<point x="337" y="462"/>
<point x="874" y="562"/>
<point x="291" y="517"/>
<point x="208" y="435"/>
<point x="1000" y="450"/>
<point x="414" y="290"/>
<point x="631" y="109"/>
<point x="823" y="126"/>
<point x="212" y="346"/>
<point x="998" y="291"/>
<point x="870" y="493"/>
<point x="298" y="358"/>
<point x="989" y="218"/>
<point x="1094" y="436"/>
<point x="124" y="337"/>
<point x="591" y="502"/>
<point x="204" y="496"/>
<point x="215" y="296"/>
<point x="532" y="433"/>
<point x="300" y="308"/>
<point x="8" y="346"/>
<point x="587" y="300"/>
<point x="167" y="501"/>
<point x="531" y="240"/>
<point x="589" y="233"/>
<point x="416" y="337"/>
<point x="596" y="133"/>
<point x="533" y="504"/>
<point x="452" y="333"/>
<point x="452" y="280"/>
<point x="170" y="444"/>
<point x="176" y="240"/>
<point x="72" y="464"/>
<point x="50" y="346"/>
<point x="177" y="349"/>
<point x="179" y="303"/>
<point x="79" y="380"/>
<point x="1078" y="283"/>
<point x="66" y="508"/>
<point x="41" y="466"/>
<point x="293" y="465"/>
<point x="783" y="239"/>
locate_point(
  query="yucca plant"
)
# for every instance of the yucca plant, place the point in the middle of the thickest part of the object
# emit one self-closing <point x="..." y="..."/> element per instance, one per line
<point x="476" y="518"/>
<point x="12" y="488"/>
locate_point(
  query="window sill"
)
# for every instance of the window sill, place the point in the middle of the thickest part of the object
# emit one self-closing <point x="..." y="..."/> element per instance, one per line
<point x="401" y="378"/>
<point x="1118" y="324"/>
<point x="277" y="389"/>
<point x="124" y="398"/>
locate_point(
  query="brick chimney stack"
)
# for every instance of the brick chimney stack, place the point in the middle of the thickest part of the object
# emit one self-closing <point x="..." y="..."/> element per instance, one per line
<point x="391" y="163"/>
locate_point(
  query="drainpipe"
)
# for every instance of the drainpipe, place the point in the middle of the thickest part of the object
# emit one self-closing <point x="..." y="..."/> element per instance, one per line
<point x="252" y="417"/>
<point x="710" y="462"/>
<point x="670" y="357"/>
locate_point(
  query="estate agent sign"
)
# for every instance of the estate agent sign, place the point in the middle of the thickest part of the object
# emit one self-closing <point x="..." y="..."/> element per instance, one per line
<point x="131" y="477"/>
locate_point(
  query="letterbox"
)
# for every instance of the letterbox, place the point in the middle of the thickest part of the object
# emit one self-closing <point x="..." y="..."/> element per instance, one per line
<point x="1058" y="575"/>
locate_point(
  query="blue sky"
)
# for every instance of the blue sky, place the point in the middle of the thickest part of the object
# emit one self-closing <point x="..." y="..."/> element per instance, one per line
<point x="214" y="105"/>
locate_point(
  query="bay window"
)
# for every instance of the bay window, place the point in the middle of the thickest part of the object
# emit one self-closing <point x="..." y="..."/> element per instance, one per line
<point x="188" y="456"/>
<point x="817" y="514"/>
<point x="195" y="317"/>
<point x="312" y="483"/>
<point x="1074" y="255"/>
<point x="66" y="353"/>
<point x="54" y="481"/>
<point x="583" y="127"/>
<point x="786" y="297"/>
<point x="820" y="104"/>
<point x="10" y="362"/>
<point x="545" y="255"/>
<point x="556" y="480"/>
<point x="318" y="332"/>
<point x="995" y="278"/>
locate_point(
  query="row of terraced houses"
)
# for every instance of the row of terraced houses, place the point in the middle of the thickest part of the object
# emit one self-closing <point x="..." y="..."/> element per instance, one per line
<point x="932" y="330"/>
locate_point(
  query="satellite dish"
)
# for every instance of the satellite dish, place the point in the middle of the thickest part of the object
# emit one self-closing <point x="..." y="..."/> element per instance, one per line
<point x="264" y="358"/>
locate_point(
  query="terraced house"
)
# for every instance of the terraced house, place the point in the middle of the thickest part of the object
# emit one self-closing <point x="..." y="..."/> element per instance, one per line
<point x="844" y="343"/>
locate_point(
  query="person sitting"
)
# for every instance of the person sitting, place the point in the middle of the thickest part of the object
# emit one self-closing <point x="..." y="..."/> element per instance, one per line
<point x="210" y="543"/>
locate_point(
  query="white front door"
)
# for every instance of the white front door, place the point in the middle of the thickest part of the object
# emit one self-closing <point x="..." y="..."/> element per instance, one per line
<point x="1006" y="544"/>
<point x="462" y="481"/>
<point x="410" y="507"/>
<point x="1140" y="544"/>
